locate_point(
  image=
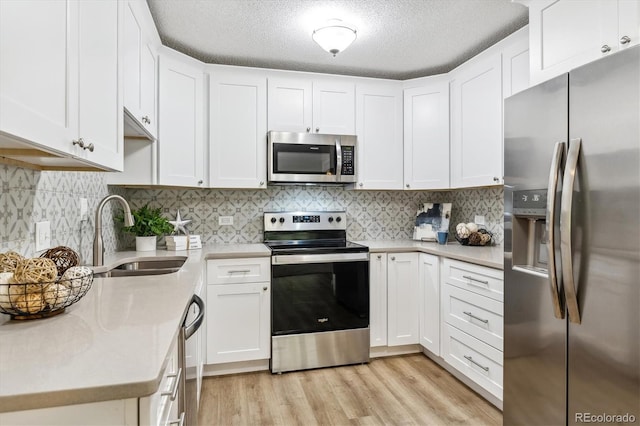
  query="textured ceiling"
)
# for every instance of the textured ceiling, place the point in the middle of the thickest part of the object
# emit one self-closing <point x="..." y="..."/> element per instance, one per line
<point x="397" y="39"/>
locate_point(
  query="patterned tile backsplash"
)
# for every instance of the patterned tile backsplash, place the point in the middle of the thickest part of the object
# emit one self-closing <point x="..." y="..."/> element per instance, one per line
<point x="30" y="196"/>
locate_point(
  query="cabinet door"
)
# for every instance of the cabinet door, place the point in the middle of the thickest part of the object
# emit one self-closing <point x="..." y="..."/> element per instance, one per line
<point x="567" y="33"/>
<point x="238" y="131"/>
<point x="628" y="23"/>
<point x="181" y="142"/>
<point x="426" y="135"/>
<point x="402" y="299"/>
<point x="39" y="72"/>
<point x="148" y="88"/>
<point x="334" y="108"/>
<point x="100" y="105"/>
<point x="378" y="299"/>
<point x="476" y="123"/>
<point x="238" y="322"/>
<point x="515" y="63"/>
<point x="429" y="302"/>
<point x="289" y="105"/>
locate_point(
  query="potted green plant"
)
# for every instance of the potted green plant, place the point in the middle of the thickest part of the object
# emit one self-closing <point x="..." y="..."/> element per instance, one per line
<point x="148" y="225"/>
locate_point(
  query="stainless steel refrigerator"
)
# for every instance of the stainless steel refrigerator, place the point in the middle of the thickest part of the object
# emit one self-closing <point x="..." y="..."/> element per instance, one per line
<point x="572" y="247"/>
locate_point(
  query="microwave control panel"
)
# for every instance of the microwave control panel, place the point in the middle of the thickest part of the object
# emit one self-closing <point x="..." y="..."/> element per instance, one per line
<point x="347" y="160"/>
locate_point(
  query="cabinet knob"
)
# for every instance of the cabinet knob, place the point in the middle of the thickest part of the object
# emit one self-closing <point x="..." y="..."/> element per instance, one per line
<point x="79" y="142"/>
<point x="261" y="183"/>
<point x="308" y="129"/>
<point x="496" y="179"/>
<point x="265" y="288"/>
<point x="379" y="256"/>
<point x="200" y="182"/>
<point x="624" y="39"/>
<point x="90" y="147"/>
<point x="317" y="129"/>
<point x="393" y="258"/>
<point x="605" y="48"/>
<point x="408" y="186"/>
<point x="146" y="120"/>
<point x="361" y="184"/>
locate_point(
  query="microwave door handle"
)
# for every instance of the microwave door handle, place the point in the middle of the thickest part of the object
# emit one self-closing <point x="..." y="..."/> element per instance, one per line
<point x="338" y="160"/>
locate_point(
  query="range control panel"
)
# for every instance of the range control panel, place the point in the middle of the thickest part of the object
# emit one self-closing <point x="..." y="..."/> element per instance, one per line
<point x="303" y="221"/>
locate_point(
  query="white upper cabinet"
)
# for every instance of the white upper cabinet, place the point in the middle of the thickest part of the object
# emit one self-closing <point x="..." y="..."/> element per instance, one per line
<point x="426" y="134"/>
<point x="238" y="130"/>
<point x="515" y="63"/>
<point x="303" y="105"/>
<point x="568" y="33"/>
<point x="181" y="153"/>
<point x="379" y="130"/>
<point x="140" y="71"/>
<point x="476" y="122"/>
<point x="69" y="106"/>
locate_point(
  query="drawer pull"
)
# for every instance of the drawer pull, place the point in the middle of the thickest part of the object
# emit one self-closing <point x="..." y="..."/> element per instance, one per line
<point x="470" y="278"/>
<point x="174" y="392"/>
<point x="240" y="271"/>
<point x="476" y="363"/>
<point x="475" y="317"/>
<point x="179" y="422"/>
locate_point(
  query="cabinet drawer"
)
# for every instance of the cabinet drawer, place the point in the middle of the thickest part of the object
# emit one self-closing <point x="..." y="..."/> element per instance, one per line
<point x="478" y="279"/>
<point x="231" y="271"/>
<point x="477" y="315"/>
<point x="476" y="360"/>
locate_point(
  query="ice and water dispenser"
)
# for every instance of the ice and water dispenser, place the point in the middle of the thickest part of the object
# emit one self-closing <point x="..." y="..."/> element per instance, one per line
<point x="529" y="231"/>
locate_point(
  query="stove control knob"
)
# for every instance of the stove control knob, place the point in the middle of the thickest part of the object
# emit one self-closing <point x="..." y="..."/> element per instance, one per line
<point x="282" y="220"/>
<point x="273" y="220"/>
<point x="330" y="219"/>
<point x="338" y="219"/>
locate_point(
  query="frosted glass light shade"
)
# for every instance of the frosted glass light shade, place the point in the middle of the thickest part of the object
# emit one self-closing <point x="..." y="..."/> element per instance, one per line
<point x="335" y="36"/>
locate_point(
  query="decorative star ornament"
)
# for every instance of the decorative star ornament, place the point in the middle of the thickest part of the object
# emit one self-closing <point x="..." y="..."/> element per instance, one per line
<point x="179" y="224"/>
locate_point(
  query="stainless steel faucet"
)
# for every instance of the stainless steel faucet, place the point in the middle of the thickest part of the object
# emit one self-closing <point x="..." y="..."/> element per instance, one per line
<point x="98" y="245"/>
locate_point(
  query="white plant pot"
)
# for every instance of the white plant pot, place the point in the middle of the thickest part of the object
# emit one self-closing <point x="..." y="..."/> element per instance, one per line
<point x="146" y="243"/>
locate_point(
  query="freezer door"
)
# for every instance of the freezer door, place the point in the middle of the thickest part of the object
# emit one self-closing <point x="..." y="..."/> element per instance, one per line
<point x="535" y="340"/>
<point x="603" y="351"/>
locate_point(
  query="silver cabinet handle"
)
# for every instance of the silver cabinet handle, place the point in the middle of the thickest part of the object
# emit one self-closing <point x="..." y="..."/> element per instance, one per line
<point x="265" y="288"/>
<point x="179" y="422"/>
<point x="393" y="258"/>
<point x="605" y="48"/>
<point x="79" y="142"/>
<point x="624" y="39"/>
<point x="470" y="278"/>
<point x="559" y="152"/>
<point x="200" y="182"/>
<point x="146" y="120"/>
<point x="173" y="393"/>
<point x="239" y="271"/>
<point x="90" y="147"/>
<point x="475" y="317"/>
<point x="408" y="186"/>
<point x="308" y="129"/>
<point x="496" y="179"/>
<point x="566" y="250"/>
<point x="476" y="363"/>
<point x="317" y="129"/>
<point x="379" y="256"/>
<point x="261" y="183"/>
<point x="361" y="184"/>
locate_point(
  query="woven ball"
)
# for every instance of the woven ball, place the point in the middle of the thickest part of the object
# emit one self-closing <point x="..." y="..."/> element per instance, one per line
<point x="30" y="303"/>
<point x="77" y="278"/>
<point x="56" y="295"/>
<point x="35" y="270"/>
<point x="9" y="261"/>
<point x="475" y="238"/>
<point x="63" y="257"/>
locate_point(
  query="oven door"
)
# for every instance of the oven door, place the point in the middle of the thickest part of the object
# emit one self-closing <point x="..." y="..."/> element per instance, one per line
<point x="317" y="293"/>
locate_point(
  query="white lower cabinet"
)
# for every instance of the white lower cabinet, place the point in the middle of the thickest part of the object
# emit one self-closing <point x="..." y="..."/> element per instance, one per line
<point x="402" y="299"/>
<point x="161" y="408"/>
<point x="238" y="310"/>
<point x="429" y="273"/>
<point x="378" y="299"/>
<point x="472" y="322"/>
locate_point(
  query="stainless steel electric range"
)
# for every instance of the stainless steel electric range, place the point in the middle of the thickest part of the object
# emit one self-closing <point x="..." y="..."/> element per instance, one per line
<point x="320" y="291"/>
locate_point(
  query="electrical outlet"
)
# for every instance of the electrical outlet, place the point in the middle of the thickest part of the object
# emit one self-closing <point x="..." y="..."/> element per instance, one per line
<point x="43" y="235"/>
<point x="479" y="219"/>
<point x="84" y="209"/>
<point x="225" y="220"/>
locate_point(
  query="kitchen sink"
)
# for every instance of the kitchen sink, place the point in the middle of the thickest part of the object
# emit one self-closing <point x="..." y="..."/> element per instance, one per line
<point x="148" y="266"/>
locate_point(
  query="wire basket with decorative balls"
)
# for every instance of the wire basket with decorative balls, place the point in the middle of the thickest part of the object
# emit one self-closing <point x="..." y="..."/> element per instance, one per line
<point x="32" y="288"/>
<point x="469" y="234"/>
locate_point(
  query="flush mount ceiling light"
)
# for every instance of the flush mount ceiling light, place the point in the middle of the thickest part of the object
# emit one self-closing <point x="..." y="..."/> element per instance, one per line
<point x="334" y="36"/>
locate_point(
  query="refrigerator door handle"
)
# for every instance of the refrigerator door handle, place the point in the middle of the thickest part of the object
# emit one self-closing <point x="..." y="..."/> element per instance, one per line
<point x="566" y="251"/>
<point x="559" y="151"/>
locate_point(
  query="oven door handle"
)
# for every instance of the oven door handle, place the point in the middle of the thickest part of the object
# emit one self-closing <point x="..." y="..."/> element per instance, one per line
<point x="190" y="329"/>
<point x="298" y="259"/>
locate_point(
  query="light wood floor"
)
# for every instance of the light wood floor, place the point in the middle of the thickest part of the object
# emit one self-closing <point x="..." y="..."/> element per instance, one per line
<point x="408" y="389"/>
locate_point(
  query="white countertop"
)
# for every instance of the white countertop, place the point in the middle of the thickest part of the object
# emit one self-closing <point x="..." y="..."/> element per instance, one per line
<point x="112" y="344"/>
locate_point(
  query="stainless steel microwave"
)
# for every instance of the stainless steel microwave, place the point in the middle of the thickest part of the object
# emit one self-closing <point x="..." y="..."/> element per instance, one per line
<point x="311" y="158"/>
